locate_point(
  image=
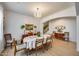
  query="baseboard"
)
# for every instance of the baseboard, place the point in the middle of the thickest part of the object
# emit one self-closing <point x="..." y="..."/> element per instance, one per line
<point x="73" y="42"/>
<point x="77" y="50"/>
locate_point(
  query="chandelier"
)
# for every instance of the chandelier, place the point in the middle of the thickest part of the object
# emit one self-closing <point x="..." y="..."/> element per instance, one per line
<point x="37" y="13"/>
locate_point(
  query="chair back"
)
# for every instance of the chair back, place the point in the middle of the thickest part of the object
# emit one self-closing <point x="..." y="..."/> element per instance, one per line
<point x="49" y="38"/>
<point x="66" y="34"/>
<point x="8" y="36"/>
<point x="39" y="41"/>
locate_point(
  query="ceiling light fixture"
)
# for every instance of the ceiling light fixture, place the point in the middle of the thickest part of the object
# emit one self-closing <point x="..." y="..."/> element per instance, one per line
<point x="37" y="13"/>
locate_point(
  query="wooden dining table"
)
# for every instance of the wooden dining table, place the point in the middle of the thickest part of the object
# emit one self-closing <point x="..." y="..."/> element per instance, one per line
<point x="31" y="40"/>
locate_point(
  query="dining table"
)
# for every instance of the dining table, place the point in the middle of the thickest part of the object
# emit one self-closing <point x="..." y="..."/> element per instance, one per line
<point x="30" y="41"/>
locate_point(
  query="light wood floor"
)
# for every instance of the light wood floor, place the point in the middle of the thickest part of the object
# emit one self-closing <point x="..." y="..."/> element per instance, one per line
<point x="60" y="48"/>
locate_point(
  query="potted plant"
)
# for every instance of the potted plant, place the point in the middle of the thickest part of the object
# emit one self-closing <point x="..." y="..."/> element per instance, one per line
<point x="23" y="27"/>
<point x="38" y="34"/>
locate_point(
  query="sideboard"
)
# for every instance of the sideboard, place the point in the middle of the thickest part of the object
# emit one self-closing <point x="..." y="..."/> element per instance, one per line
<point x="62" y="36"/>
<point x="59" y="35"/>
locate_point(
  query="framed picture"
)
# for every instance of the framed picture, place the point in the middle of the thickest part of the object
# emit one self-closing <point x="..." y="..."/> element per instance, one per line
<point x="45" y="27"/>
<point x="29" y="26"/>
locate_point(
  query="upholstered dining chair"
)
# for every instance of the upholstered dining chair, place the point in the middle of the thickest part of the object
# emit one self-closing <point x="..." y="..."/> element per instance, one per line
<point x="53" y="34"/>
<point x="49" y="40"/>
<point x="8" y="39"/>
<point x="39" y="44"/>
<point x="17" y="48"/>
<point x="66" y="36"/>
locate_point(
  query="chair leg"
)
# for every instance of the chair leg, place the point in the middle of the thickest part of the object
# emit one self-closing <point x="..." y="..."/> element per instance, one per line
<point x="43" y="48"/>
<point x="27" y="52"/>
<point x="11" y="45"/>
<point x="36" y="51"/>
<point x="51" y="44"/>
<point x="14" y="53"/>
<point x="5" y="47"/>
<point x="46" y="46"/>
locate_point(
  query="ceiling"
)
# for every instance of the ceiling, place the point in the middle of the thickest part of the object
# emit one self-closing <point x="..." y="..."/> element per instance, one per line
<point x="28" y="8"/>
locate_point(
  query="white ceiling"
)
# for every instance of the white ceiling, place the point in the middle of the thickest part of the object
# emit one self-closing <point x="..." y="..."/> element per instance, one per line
<point x="28" y="8"/>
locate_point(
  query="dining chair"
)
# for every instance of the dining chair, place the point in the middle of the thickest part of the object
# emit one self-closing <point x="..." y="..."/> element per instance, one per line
<point x="49" y="41"/>
<point x="17" y="48"/>
<point x="53" y="34"/>
<point x="66" y="36"/>
<point x="8" y="39"/>
<point x="39" y="44"/>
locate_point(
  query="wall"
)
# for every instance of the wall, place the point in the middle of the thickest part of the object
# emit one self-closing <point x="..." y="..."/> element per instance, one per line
<point x="1" y="29"/>
<point x="69" y="23"/>
<point x="69" y="12"/>
<point x="63" y="13"/>
<point x="77" y="12"/>
<point x="77" y="33"/>
<point x="13" y="22"/>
